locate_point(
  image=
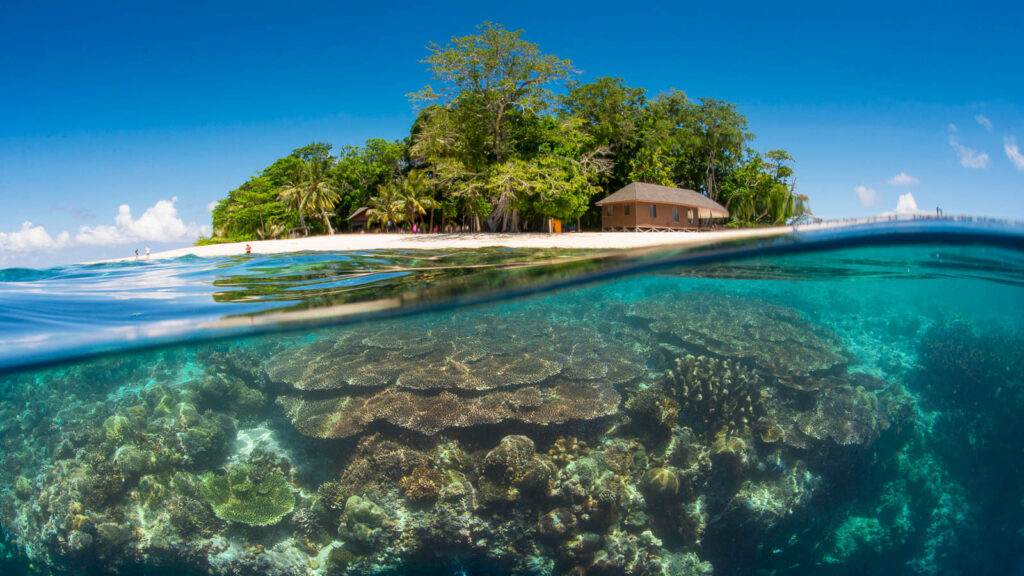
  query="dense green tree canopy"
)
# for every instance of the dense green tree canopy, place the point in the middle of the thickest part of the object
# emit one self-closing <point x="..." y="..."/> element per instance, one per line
<point x="505" y="137"/>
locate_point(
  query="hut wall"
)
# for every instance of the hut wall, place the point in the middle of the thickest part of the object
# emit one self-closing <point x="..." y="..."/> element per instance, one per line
<point x="640" y="216"/>
<point x="618" y="218"/>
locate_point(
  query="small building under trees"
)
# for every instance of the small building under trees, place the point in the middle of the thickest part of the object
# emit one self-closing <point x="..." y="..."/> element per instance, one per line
<point x="640" y="206"/>
<point x="359" y="219"/>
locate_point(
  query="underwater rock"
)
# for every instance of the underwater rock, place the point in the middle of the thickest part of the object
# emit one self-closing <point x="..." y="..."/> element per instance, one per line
<point x="556" y="524"/>
<point x="513" y="470"/>
<point x="769" y="501"/>
<point x="248" y="494"/>
<point x="191" y="517"/>
<point x="376" y="465"/>
<point x="856" y="536"/>
<point x="845" y="415"/>
<point x="965" y="369"/>
<point x="847" y="412"/>
<point x="132" y="461"/>
<point x="118" y="428"/>
<point x="362" y="521"/>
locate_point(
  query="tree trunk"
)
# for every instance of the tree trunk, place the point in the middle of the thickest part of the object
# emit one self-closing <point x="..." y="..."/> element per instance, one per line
<point x="709" y="176"/>
<point x="327" y="222"/>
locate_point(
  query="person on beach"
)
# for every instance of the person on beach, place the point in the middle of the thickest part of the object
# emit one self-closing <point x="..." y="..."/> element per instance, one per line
<point x="248" y="249"/>
<point x="136" y="253"/>
<point x="147" y="252"/>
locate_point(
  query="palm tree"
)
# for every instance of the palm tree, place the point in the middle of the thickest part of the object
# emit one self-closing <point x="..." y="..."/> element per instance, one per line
<point x="385" y="206"/>
<point x="294" y="197"/>
<point x="415" y="197"/>
<point x="313" y="189"/>
<point x="322" y="194"/>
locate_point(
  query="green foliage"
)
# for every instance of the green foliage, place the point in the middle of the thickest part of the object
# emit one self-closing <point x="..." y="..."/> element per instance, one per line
<point x="251" y="211"/>
<point x="248" y="495"/>
<point x="493" y="145"/>
<point x="760" y="190"/>
<point x="415" y="196"/>
<point x="361" y="171"/>
<point x="311" y="187"/>
<point x="490" y="76"/>
<point x="386" y="207"/>
<point x="649" y="166"/>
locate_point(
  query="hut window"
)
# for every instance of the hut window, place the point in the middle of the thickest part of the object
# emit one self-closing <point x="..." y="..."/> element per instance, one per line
<point x="689" y="215"/>
<point x="654" y="210"/>
<point x="609" y="209"/>
<point x="675" y="213"/>
<point x="627" y="209"/>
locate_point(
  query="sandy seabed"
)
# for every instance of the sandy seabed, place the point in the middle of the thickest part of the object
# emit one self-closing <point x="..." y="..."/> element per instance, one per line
<point x="377" y="241"/>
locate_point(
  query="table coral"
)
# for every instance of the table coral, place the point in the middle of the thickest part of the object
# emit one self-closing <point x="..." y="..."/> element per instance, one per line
<point x="248" y="495"/>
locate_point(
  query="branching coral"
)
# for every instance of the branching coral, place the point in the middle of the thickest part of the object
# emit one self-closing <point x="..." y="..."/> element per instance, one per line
<point x="715" y="394"/>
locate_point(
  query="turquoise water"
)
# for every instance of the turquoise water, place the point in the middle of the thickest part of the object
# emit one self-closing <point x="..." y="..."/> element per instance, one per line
<point x="830" y="403"/>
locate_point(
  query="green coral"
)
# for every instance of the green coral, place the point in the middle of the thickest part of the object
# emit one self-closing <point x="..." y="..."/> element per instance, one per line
<point x="248" y="496"/>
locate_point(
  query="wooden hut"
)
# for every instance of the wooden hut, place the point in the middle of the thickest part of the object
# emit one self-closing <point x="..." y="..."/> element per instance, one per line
<point x="640" y="206"/>
<point x="359" y="218"/>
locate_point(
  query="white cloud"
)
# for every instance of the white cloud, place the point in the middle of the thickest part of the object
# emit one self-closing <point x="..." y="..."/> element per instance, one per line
<point x="907" y="205"/>
<point x="981" y="119"/>
<point x="32" y="238"/>
<point x="159" y="223"/>
<point x="212" y="205"/>
<point x="903" y="179"/>
<point x="867" y="196"/>
<point x="969" y="157"/>
<point x="1013" y="153"/>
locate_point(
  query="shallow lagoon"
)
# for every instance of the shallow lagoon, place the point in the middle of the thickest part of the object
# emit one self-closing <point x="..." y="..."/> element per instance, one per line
<point x="833" y="404"/>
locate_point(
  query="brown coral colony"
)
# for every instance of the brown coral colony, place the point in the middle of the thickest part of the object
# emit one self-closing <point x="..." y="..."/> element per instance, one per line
<point x="427" y="375"/>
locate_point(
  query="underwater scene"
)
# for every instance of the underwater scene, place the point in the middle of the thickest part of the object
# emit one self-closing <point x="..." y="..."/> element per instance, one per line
<point x="849" y="404"/>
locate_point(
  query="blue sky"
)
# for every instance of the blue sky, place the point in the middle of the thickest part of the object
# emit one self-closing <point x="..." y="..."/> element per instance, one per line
<point x="164" y="107"/>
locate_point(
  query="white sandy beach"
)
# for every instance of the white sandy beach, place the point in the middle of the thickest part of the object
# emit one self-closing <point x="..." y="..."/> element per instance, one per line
<point x="377" y="241"/>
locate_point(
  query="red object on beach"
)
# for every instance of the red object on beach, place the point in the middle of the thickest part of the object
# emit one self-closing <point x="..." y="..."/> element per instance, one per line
<point x="248" y="249"/>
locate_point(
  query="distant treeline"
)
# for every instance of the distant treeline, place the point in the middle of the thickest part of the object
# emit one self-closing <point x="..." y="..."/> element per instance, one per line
<point x="493" y="147"/>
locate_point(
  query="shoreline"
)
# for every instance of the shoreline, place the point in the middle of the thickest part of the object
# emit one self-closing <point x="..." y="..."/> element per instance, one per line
<point x="349" y="242"/>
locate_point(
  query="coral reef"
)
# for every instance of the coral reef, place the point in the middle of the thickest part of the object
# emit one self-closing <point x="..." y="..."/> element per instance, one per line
<point x="431" y="374"/>
<point x="715" y="394"/>
<point x="248" y="494"/>
<point x="493" y="440"/>
<point x="429" y="414"/>
<point x="776" y="339"/>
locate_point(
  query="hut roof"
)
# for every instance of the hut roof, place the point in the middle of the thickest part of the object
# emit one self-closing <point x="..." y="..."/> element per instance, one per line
<point x="639" y="191"/>
<point x="361" y="211"/>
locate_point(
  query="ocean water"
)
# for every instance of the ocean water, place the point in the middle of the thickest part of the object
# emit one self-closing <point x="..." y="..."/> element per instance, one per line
<point x="835" y="402"/>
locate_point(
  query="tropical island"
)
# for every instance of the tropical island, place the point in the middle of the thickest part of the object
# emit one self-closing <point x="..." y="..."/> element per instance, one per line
<point x="507" y="141"/>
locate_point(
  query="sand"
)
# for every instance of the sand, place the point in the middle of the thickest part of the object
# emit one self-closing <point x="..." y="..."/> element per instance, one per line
<point x="376" y="241"/>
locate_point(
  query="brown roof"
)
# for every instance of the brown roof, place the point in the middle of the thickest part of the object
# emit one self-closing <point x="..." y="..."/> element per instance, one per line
<point x="359" y="212"/>
<point x="639" y="191"/>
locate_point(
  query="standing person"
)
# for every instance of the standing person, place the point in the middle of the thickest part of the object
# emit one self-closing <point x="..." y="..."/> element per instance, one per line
<point x="248" y="249"/>
<point x="136" y="253"/>
<point x="147" y="252"/>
